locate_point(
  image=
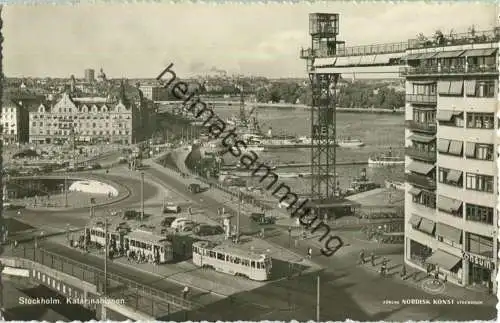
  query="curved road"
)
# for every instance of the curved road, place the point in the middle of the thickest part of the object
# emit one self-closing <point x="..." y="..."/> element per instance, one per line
<point x="348" y="291"/>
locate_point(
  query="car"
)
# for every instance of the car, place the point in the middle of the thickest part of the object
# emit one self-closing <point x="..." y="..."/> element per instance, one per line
<point x="167" y="221"/>
<point x="177" y="222"/>
<point x="194" y="188"/>
<point x="261" y="218"/>
<point x="131" y="214"/>
<point x="208" y="230"/>
<point x="171" y="208"/>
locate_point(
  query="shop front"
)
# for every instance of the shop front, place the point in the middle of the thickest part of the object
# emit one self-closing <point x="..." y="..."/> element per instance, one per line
<point x="481" y="270"/>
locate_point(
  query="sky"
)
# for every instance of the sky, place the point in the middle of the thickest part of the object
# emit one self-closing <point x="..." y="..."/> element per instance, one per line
<point x="140" y="40"/>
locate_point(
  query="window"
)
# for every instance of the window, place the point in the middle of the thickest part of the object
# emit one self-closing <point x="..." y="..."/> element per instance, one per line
<point x="450" y="177"/>
<point x="480" y="120"/>
<point x="420" y="116"/>
<point x="479" y="213"/>
<point x="425" y="198"/>
<point x="480" y="245"/>
<point x="484" y="89"/>
<point x="477" y="182"/>
<point x="479" y="151"/>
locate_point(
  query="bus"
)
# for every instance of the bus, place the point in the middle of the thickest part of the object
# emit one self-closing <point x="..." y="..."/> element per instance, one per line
<point x="232" y="260"/>
<point x="151" y="245"/>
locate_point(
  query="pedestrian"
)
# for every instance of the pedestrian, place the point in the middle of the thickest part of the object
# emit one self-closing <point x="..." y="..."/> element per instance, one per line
<point x="15" y="243"/>
<point x="372" y="258"/>
<point x="362" y="257"/>
<point x="436" y="274"/>
<point x="403" y="271"/>
<point x="309" y="252"/>
<point x="445" y="278"/>
<point x="429" y="270"/>
<point x="383" y="269"/>
<point x="185" y="292"/>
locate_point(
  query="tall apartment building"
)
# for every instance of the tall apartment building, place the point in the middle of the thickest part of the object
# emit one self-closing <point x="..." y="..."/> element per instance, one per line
<point x="451" y="221"/>
<point x="152" y="92"/>
<point x="89" y="75"/>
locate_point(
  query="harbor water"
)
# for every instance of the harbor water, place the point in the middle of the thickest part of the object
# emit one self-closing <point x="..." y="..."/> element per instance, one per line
<point x="379" y="132"/>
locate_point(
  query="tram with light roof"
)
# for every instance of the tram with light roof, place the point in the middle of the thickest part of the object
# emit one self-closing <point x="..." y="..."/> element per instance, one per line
<point x="232" y="260"/>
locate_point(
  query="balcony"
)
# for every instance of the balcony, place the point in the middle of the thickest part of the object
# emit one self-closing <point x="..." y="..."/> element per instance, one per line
<point x="421" y="99"/>
<point x="428" y="127"/>
<point x="448" y="70"/>
<point x="421" y="154"/>
<point x="421" y="181"/>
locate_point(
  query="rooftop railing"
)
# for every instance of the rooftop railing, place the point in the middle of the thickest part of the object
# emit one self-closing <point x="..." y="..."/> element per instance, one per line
<point x="476" y="37"/>
<point x="374" y="49"/>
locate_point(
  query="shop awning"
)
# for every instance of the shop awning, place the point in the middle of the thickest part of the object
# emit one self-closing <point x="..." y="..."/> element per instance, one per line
<point x="443" y="87"/>
<point x="479" y="52"/>
<point x="454" y="176"/>
<point x="354" y="60"/>
<point x="452" y="54"/>
<point x="367" y="60"/>
<point x="449" y="233"/>
<point x="455" y="147"/>
<point x="420" y="168"/>
<point x="470" y="87"/>
<point x="423" y="82"/>
<point x="421" y="138"/>
<point x="385" y="58"/>
<point x="415" y="220"/>
<point x="342" y="61"/>
<point x="447" y="204"/>
<point x="415" y="191"/>
<point x="456" y="87"/>
<point x="470" y="149"/>
<point x="444" y="115"/>
<point x="443" y="145"/>
<point x="319" y="62"/>
<point x="412" y="57"/>
<point x="443" y="260"/>
<point x="427" y="55"/>
<point x="427" y="226"/>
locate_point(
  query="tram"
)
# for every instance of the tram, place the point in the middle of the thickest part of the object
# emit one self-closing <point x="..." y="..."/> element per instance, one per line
<point x="232" y="260"/>
<point x="150" y="245"/>
<point x="116" y="234"/>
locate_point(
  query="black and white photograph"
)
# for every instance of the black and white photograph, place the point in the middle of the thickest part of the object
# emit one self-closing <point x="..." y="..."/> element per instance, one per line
<point x="305" y="161"/>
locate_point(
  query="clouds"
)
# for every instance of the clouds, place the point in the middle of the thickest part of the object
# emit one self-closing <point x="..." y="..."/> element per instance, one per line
<point x="138" y="40"/>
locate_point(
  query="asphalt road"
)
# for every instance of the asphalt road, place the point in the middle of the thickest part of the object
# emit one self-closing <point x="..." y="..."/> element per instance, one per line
<point x="347" y="291"/>
<point x="79" y="217"/>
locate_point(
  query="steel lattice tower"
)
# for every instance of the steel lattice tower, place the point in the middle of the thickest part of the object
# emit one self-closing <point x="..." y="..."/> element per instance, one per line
<point x="323" y="135"/>
<point x="2" y="222"/>
<point x="323" y="29"/>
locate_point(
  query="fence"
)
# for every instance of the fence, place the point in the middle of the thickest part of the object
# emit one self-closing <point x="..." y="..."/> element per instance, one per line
<point x="145" y="299"/>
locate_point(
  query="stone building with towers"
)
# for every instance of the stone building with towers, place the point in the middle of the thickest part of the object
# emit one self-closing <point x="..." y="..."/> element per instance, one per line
<point x="117" y="118"/>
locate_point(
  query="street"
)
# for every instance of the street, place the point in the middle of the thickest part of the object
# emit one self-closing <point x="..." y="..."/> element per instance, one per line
<point x="355" y="292"/>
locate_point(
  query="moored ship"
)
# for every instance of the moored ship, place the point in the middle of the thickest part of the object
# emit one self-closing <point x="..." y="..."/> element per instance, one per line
<point x="387" y="159"/>
<point x="350" y="143"/>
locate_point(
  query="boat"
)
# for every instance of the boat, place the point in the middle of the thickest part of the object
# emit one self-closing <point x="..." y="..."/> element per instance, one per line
<point x="361" y="184"/>
<point x="350" y="143"/>
<point x="395" y="185"/>
<point x="386" y="160"/>
<point x="254" y="147"/>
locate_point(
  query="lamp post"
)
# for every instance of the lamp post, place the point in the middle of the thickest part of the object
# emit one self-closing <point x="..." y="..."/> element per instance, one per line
<point x="318" y="298"/>
<point x="142" y="196"/>
<point x="66" y="191"/>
